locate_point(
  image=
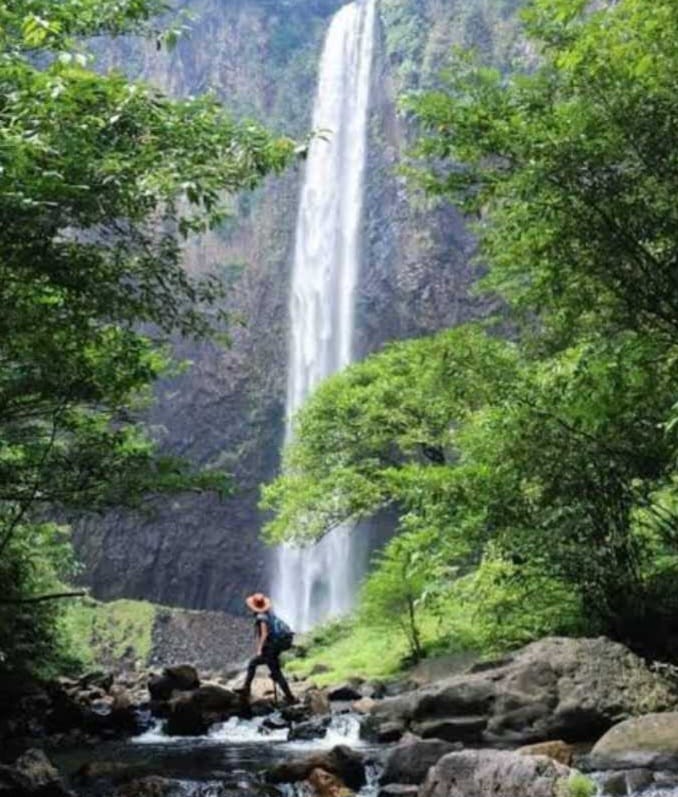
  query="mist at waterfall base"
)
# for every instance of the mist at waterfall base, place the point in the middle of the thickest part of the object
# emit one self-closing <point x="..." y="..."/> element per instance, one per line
<point x="313" y="583"/>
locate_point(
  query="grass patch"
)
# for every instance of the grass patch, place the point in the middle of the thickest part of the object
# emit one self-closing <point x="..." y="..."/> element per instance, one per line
<point x="108" y="633"/>
<point x="486" y="615"/>
<point x="357" y="650"/>
<point x="347" y="648"/>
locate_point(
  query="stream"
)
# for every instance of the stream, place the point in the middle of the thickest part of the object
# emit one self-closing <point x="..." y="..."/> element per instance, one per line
<point x="227" y="761"/>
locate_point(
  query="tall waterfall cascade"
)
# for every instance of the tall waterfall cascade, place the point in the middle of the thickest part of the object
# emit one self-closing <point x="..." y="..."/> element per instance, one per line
<point x="313" y="583"/>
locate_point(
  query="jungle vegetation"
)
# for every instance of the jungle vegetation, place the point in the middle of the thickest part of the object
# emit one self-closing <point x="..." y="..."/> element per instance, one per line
<point x="531" y="459"/>
<point x="101" y="182"/>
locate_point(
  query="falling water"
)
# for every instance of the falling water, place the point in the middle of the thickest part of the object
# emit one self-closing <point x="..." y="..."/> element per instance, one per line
<point x="313" y="583"/>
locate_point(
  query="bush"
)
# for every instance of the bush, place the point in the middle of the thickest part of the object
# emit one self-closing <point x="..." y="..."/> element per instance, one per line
<point x="32" y="637"/>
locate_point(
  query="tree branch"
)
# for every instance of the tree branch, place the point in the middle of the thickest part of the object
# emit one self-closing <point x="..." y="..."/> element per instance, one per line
<point x="41" y="598"/>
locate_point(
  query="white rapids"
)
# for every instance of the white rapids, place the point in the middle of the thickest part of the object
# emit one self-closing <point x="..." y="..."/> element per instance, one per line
<point x="313" y="583"/>
<point x="343" y="729"/>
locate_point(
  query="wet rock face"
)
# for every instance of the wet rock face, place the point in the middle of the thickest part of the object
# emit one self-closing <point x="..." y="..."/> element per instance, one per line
<point x="570" y="689"/>
<point x="210" y="640"/>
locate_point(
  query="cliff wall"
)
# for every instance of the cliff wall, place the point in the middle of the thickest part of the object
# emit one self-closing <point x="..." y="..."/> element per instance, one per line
<point x="227" y="410"/>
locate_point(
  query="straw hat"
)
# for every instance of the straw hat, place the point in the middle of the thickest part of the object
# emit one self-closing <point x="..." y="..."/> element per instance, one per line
<point x="258" y="602"/>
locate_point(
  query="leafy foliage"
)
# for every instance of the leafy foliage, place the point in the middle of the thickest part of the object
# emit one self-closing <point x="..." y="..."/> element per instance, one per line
<point x="393" y="595"/>
<point x="572" y="167"/>
<point x="101" y="181"/>
<point x="542" y="469"/>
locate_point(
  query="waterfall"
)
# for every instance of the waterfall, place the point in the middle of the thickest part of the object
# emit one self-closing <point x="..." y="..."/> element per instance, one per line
<point x="316" y="582"/>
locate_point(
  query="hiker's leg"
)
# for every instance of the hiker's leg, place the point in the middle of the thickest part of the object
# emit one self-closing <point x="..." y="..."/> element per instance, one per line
<point x="273" y="663"/>
<point x="251" y="671"/>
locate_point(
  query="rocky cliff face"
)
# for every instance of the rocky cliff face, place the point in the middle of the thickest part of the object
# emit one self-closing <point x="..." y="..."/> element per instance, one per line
<point x="227" y="410"/>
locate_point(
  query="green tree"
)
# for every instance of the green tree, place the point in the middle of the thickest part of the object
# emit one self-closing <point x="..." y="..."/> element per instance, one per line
<point x="101" y="182"/>
<point x="572" y="167"/>
<point x="393" y="596"/>
<point x="548" y="463"/>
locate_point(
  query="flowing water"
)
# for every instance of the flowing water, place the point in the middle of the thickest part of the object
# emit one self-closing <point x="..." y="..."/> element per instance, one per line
<point x="312" y="583"/>
<point x="227" y="761"/>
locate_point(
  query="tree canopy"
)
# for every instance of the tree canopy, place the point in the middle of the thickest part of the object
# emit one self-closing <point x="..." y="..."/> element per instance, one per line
<point x="101" y="182"/>
<point x="549" y="459"/>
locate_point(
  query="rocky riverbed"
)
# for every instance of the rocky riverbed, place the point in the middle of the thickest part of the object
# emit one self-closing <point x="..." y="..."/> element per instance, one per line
<point x="559" y="718"/>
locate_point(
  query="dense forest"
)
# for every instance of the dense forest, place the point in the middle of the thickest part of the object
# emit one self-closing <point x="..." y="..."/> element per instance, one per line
<point x="531" y="459"/>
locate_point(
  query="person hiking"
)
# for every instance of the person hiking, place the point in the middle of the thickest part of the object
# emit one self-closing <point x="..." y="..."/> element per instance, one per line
<point x="273" y="636"/>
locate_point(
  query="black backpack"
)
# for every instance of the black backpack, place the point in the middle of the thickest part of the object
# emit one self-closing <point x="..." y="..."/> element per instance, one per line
<point x="281" y="634"/>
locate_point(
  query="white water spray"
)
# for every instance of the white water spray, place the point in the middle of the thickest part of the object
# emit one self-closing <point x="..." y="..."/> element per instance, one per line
<point x="311" y="584"/>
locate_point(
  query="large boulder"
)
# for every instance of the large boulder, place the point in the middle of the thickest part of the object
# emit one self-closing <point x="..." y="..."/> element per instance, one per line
<point x="650" y="741"/>
<point x="179" y="678"/>
<point x="184" y="676"/>
<point x="186" y="718"/>
<point x="216" y="698"/>
<point x="348" y="765"/>
<point x="479" y="773"/>
<point x="557" y="688"/>
<point x="409" y="761"/>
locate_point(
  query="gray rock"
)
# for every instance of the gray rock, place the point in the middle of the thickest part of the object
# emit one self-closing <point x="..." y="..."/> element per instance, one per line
<point x="452" y="729"/>
<point x="311" y="729"/>
<point x="613" y="784"/>
<point x="479" y="773"/>
<point x="626" y="782"/>
<point x="296" y="713"/>
<point x="216" y="698"/>
<point x="638" y="779"/>
<point x="409" y="761"/>
<point x="647" y="741"/>
<point x="665" y="779"/>
<point x="375" y="728"/>
<point x="557" y="688"/>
